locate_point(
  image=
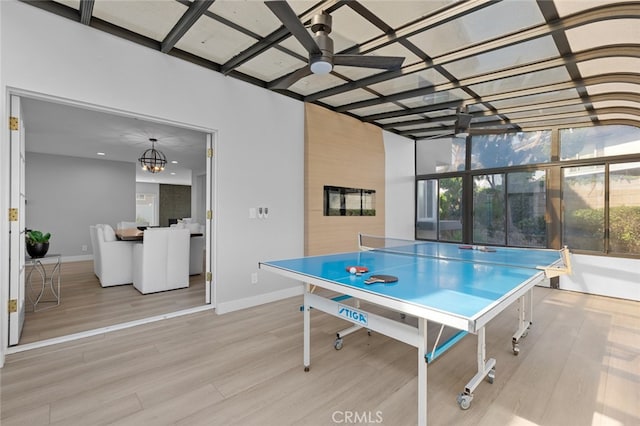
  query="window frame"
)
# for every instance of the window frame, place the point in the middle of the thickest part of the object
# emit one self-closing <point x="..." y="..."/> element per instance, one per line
<point x="554" y="202"/>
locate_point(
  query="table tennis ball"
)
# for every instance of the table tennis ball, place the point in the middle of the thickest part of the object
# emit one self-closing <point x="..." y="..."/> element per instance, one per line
<point x="353" y="270"/>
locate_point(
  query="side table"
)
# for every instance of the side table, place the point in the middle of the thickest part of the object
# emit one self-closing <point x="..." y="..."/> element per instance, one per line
<point x="52" y="281"/>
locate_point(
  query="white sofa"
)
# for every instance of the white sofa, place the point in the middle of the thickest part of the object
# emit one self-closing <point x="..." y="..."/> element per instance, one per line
<point x="196" y="255"/>
<point x="161" y="261"/>
<point x="114" y="258"/>
<point x="196" y="246"/>
<point x="93" y="233"/>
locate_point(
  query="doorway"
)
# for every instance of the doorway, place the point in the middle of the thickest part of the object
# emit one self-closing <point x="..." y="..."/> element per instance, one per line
<point x="124" y="138"/>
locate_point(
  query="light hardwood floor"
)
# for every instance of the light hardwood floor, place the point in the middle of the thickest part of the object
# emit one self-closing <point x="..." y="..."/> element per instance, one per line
<point x="85" y="305"/>
<point x="579" y="365"/>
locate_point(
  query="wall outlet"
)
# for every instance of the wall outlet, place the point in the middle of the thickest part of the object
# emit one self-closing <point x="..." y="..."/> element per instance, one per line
<point x="254" y="278"/>
<point x="84" y="247"/>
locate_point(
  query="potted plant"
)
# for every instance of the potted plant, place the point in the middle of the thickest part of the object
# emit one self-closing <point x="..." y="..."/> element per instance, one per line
<point x="37" y="243"/>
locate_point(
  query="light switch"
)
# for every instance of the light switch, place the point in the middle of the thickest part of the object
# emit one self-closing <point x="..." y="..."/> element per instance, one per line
<point x="252" y="213"/>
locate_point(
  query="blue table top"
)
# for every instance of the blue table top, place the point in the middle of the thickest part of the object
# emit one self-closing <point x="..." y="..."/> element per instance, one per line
<point x="462" y="287"/>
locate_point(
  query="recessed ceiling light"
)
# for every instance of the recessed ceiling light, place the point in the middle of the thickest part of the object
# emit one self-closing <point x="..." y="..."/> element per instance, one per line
<point x="174" y="162"/>
<point x="101" y="153"/>
<point x="173" y="173"/>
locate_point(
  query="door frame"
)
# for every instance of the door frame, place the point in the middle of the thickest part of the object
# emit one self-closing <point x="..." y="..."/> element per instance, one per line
<point x="5" y="185"/>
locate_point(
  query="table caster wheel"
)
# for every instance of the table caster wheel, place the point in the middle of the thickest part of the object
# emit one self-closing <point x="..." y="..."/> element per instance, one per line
<point x="491" y="376"/>
<point x="516" y="350"/>
<point x="338" y="344"/>
<point x="306" y="369"/>
<point x="464" y="401"/>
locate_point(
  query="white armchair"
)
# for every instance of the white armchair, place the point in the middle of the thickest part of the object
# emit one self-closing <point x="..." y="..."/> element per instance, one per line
<point x="196" y="255"/>
<point x="161" y="261"/>
<point x="115" y="258"/>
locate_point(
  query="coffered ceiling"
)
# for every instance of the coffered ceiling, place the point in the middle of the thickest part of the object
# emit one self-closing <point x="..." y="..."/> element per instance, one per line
<point x="511" y="65"/>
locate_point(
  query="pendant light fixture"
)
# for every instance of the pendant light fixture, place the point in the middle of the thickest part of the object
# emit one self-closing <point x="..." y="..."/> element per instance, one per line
<point x="153" y="160"/>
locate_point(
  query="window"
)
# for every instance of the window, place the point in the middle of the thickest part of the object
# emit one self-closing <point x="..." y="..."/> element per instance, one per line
<point x="488" y="209"/>
<point x="440" y="155"/>
<point x="598" y="142"/>
<point x="146" y="209"/>
<point x="583" y="207"/>
<point x="439" y="209"/>
<point x="520" y="221"/>
<point x="511" y="149"/>
<point x="505" y="195"/>
<point x="624" y="208"/>
<point x="526" y="209"/>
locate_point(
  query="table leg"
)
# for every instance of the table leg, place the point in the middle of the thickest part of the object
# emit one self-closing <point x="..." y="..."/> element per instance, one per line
<point x="422" y="372"/>
<point x="525" y="319"/>
<point x="307" y="329"/>
<point x="43" y="276"/>
<point x="486" y="368"/>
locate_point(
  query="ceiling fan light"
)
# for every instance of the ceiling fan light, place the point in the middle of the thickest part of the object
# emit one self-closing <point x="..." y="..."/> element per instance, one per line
<point x="321" y="67"/>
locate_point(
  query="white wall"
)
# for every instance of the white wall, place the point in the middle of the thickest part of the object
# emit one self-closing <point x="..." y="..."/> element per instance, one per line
<point x="65" y="195"/>
<point x="607" y="276"/>
<point x="259" y="133"/>
<point x="399" y="186"/>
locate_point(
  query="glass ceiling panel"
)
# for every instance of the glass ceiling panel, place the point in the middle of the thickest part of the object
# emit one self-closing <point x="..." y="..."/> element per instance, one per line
<point x="565" y="8"/>
<point x="270" y="65"/>
<point x="422" y="126"/>
<point x="441" y="113"/>
<point x="548" y="123"/>
<point x="542" y="78"/>
<point x="547" y="111"/>
<point x="435" y="98"/>
<point x="349" y="28"/>
<point x="315" y="83"/>
<point x="377" y="109"/>
<point x="519" y="54"/>
<point x="603" y="33"/>
<point x="400" y="119"/>
<point x="482" y="25"/>
<point x="214" y="41"/>
<point x="153" y="19"/>
<point x="399" y="12"/>
<point x="613" y="87"/>
<point x="254" y="16"/>
<point x="537" y="98"/>
<point x="617" y="103"/>
<point x="609" y="65"/>
<point x="397" y="49"/>
<point x="618" y="117"/>
<point x="416" y="80"/>
<point x="356" y="73"/>
<point x="349" y="97"/>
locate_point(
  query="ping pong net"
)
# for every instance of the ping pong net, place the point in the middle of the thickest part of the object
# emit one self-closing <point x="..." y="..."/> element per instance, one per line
<point x="504" y="256"/>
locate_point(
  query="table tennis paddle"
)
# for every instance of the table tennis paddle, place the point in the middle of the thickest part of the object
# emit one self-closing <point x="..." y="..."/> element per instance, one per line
<point x="355" y="269"/>
<point x="379" y="278"/>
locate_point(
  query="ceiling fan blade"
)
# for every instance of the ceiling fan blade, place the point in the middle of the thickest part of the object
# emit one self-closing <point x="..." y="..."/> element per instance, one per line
<point x="369" y="61"/>
<point x="290" y="20"/>
<point x="289" y="79"/>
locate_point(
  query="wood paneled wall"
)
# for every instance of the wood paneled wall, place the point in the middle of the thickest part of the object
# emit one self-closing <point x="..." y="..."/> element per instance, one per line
<point x="340" y="151"/>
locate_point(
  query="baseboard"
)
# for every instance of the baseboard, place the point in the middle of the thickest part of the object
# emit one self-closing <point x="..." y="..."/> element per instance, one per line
<point x="79" y="258"/>
<point x="250" y="302"/>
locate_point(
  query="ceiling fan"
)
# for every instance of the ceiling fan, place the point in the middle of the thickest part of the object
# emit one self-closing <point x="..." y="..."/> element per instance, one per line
<point x="320" y="47"/>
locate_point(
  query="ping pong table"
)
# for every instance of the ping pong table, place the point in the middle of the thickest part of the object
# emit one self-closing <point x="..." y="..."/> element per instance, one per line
<point x="456" y="286"/>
